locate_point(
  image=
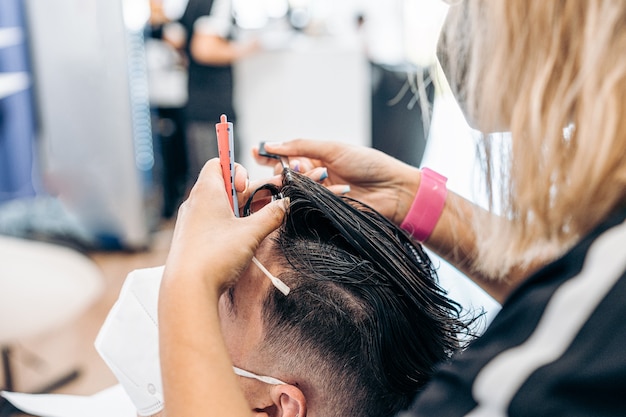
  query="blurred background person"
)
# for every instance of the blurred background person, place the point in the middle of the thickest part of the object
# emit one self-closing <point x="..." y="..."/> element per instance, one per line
<point x="210" y="49"/>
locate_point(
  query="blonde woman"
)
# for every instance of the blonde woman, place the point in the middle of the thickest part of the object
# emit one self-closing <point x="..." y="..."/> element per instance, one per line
<point x="553" y="74"/>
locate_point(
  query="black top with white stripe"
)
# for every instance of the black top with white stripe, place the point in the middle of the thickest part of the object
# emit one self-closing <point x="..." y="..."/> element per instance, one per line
<point x="557" y="348"/>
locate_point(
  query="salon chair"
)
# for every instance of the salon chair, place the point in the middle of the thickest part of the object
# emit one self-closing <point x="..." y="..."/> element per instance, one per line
<point x="42" y="286"/>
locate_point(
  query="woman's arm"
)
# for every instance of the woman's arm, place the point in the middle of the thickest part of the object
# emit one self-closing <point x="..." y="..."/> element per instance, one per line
<point x="211" y="49"/>
<point x="454" y="239"/>
<point x="390" y="186"/>
<point x="210" y="248"/>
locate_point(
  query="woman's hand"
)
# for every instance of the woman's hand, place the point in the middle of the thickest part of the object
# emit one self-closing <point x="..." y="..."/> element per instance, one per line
<point x="366" y="174"/>
<point x="210" y="249"/>
<point x="209" y="241"/>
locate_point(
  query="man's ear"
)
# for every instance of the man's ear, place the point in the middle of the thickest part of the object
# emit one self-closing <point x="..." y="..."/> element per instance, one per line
<point x="288" y="400"/>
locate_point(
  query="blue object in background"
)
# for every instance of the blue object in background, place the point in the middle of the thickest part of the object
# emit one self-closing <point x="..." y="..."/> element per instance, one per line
<point x="17" y="113"/>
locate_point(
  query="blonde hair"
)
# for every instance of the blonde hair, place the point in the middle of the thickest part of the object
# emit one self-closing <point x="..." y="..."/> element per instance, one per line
<point x="553" y="74"/>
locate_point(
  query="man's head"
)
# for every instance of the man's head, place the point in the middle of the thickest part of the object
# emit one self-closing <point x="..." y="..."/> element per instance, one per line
<point x="364" y="324"/>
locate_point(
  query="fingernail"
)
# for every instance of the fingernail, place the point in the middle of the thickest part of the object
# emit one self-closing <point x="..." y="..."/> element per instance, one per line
<point x="346" y="189"/>
<point x="296" y="166"/>
<point x="324" y="175"/>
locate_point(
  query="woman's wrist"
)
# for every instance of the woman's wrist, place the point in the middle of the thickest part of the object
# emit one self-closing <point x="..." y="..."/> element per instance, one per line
<point x="405" y="193"/>
<point x="189" y="280"/>
<point x="427" y="205"/>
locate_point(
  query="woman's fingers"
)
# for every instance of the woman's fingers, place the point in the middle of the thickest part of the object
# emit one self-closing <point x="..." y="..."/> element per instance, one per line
<point x="209" y="242"/>
<point x="241" y="178"/>
<point x="313" y="149"/>
<point x="267" y="219"/>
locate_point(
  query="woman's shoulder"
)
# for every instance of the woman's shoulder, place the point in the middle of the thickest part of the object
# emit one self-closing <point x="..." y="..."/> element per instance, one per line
<point x="563" y="328"/>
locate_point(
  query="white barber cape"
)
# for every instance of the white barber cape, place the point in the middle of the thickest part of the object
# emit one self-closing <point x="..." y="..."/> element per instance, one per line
<point x="128" y="343"/>
<point x="129" y="340"/>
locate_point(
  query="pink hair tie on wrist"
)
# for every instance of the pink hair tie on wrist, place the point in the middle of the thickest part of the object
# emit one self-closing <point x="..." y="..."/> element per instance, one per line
<point x="427" y="205"/>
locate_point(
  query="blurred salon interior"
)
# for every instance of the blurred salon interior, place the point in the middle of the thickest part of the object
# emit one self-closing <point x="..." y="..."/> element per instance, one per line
<point x="95" y="158"/>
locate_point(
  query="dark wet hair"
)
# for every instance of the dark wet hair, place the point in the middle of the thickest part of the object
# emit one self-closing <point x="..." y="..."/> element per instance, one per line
<point x="366" y="320"/>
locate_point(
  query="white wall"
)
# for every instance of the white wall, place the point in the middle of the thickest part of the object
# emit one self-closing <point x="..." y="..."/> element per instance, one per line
<point x="314" y="88"/>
